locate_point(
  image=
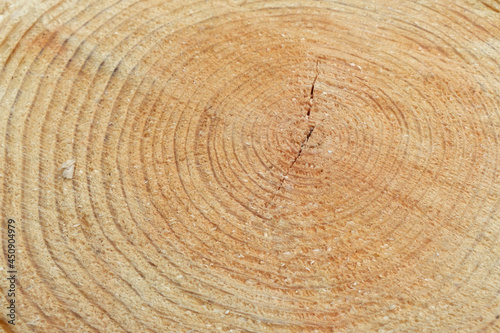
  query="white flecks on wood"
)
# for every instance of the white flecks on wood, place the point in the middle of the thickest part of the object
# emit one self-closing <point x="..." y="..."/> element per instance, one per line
<point x="68" y="169"/>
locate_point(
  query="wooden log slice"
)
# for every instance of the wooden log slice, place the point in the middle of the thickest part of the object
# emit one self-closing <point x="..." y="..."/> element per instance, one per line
<point x="251" y="166"/>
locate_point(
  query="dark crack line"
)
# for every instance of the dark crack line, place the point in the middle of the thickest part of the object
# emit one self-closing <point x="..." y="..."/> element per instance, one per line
<point x="302" y="147"/>
<point x="304" y="143"/>
<point x="311" y="96"/>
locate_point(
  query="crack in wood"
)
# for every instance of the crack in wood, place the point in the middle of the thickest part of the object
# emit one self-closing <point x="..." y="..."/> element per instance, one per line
<point x="304" y="142"/>
<point x="311" y="96"/>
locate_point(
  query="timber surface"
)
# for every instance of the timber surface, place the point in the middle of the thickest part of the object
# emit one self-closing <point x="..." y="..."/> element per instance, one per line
<point x="251" y="166"/>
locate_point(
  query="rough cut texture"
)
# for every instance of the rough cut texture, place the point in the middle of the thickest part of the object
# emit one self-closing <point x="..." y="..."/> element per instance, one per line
<point x="251" y="166"/>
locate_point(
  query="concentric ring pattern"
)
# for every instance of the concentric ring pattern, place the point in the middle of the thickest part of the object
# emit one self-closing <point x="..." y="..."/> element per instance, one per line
<point x="252" y="166"/>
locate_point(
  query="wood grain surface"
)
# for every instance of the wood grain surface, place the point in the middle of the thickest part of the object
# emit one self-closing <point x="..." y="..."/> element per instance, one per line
<point x="251" y="166"/>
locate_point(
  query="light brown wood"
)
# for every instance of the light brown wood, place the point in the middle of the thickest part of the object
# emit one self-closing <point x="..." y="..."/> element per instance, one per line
<point x="251" y="166"/>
